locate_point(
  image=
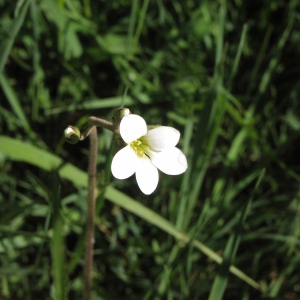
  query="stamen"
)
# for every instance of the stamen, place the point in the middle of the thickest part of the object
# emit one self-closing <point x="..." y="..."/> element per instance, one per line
<point x="140" y="146"/>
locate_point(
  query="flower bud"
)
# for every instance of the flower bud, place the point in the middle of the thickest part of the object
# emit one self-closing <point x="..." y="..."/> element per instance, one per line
<point x="72" y="134"/>
<point x="119" y="113"/>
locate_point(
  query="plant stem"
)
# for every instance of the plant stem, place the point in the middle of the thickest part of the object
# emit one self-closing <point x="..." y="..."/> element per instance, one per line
<point x="94" y="121"/>
<point x="91" y="130"/>
<point x="89" y="251"/>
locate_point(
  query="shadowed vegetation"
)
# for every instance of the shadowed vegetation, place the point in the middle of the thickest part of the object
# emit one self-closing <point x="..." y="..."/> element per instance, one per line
<point x="225" y="74"/>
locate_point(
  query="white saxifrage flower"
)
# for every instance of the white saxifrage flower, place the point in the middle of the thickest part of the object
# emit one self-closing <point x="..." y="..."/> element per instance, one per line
<point x="147" y="151"/>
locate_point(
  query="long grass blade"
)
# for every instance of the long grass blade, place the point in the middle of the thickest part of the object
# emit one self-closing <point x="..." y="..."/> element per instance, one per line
<point x="57" y="241"/>
<point x="8" y="42"/>
<point x="14" y="102"/>
<point x="220" y="283"/>
<point x="18" y="150"/>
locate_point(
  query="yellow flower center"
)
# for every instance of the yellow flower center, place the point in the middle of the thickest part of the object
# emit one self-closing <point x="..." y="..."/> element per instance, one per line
<point x="140" y="146"/>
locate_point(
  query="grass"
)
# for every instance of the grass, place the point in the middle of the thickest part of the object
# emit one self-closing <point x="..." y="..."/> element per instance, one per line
<point x="226" y="74"/>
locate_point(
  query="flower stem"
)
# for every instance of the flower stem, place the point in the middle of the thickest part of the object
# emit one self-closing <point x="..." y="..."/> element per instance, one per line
<point x="72" y="136"/>
<point x="89" y="250"/>
<point x="94" y="121"/>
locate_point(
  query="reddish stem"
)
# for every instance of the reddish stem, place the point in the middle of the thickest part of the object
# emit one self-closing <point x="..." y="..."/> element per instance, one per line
<point x="89" y="250"/>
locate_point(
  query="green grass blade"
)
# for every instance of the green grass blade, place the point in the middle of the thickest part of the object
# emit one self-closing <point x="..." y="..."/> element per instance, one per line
<point x="220" y="38"/>
<point x="87" y="8"/>
<point x="20" y="151"/>
<point x="14" y="102"/>
<point x="259" y="60"/>
<point x="57" y="241"/>
<point x="132" y="21"/>
<point x="220" y="282"/>
<point x="153" y="218"/>
<point x="211" y="120"/>
<point x="8" y="42"/>
<point x="238" y="55"/>
<point x="93" y="104"/>
<point x="270" y="70"/>
<point x="139" y="28"/>
<point x="232" y="155"/>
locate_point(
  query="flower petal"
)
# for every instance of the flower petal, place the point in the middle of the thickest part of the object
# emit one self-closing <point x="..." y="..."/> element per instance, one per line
<point x="146" y="176"/>
<point x="162" y="138"/>
<point x="132" y="127"/>
<point x="124" y="163"/>
<point x="171" y="161"/>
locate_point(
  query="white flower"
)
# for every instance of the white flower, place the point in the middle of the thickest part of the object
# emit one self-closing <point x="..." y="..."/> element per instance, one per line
<point x="147" y="151"/>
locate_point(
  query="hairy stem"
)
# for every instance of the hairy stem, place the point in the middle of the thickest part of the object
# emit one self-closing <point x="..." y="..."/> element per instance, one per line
<point x="89" y="250"/>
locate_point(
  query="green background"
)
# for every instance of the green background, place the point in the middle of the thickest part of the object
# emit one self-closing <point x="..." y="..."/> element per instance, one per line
<point x="225" y="74"/>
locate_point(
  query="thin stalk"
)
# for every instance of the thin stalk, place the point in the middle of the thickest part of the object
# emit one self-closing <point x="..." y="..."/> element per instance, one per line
<point x="94" y="121"/>
<point x="73" y="135"/>
<point x="89" y="250"/>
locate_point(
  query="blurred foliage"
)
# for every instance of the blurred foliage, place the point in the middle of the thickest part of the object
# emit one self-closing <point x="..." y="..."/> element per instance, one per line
<point x="225" y="73"/>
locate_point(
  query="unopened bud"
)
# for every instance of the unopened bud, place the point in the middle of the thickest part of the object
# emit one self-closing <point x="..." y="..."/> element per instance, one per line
<point x="119" y="113"/>
<point x="72" y="134"/>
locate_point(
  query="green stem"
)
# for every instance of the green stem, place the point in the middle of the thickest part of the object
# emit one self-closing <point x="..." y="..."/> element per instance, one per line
<point x="89" y="250"/>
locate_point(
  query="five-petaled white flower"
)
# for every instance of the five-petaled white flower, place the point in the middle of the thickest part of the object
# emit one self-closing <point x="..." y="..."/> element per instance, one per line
<point x="147" y="151"/>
